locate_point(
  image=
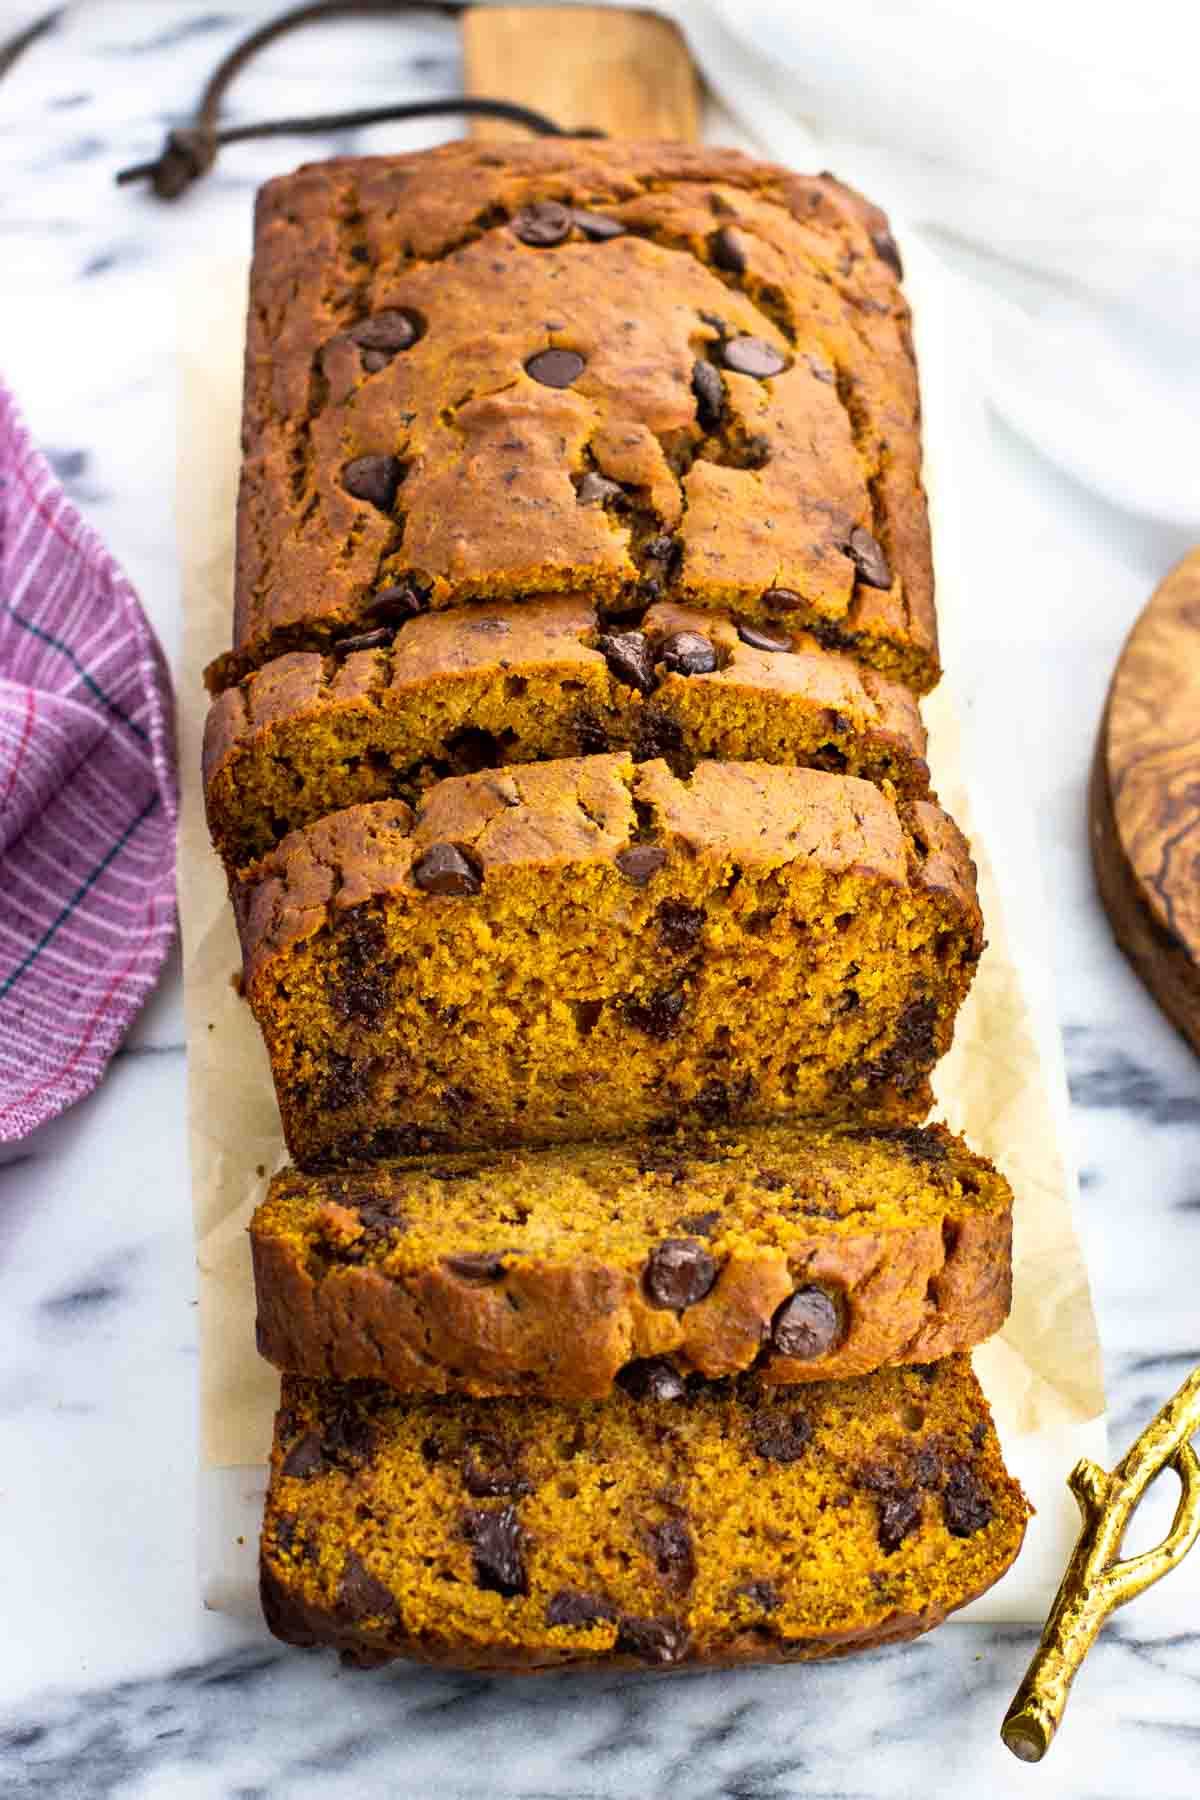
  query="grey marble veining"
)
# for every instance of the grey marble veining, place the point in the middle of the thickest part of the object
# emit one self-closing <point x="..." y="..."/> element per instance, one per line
<point x="113" y="1681"/>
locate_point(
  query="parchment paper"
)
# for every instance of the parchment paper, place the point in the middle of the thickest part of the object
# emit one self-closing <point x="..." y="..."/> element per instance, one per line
<point x="1002" y="1083"/>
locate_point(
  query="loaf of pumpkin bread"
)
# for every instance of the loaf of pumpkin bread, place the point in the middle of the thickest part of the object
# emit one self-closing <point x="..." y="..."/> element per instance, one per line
<point x="811" y="1253"/>
<point x="686" y="1524"/>
<point x="481" y="685"/>
<point x="630" y="372"/>
<point x="584" y="948"/>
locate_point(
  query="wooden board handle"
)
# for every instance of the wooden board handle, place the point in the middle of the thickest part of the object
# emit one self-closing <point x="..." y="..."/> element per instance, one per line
<point x="597" y="68"/>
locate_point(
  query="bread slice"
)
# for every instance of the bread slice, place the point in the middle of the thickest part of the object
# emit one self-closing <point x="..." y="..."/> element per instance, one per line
<point x="584" y="948"/>
<point x="813" y="1253"/>
<point x="484" y="685"/>
<point x="729" y="1523"/>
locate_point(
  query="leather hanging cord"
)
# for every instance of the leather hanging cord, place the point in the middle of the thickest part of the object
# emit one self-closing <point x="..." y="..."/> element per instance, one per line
<point x="191" y="150"/>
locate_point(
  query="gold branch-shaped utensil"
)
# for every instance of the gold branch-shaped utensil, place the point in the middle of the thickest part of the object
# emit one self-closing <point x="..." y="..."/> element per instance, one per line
<point x="1097" y="1581"/>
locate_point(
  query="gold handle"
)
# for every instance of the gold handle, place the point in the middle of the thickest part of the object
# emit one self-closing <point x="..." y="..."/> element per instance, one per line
<point x="1097" y="1581"/>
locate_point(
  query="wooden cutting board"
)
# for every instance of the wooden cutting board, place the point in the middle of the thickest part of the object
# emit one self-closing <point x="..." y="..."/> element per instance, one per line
<point x="1145" y="798"/>
<point x="589" y="68"/>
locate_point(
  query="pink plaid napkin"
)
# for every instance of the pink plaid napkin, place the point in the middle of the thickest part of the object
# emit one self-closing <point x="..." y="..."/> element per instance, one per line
<point x="87" y="796"/>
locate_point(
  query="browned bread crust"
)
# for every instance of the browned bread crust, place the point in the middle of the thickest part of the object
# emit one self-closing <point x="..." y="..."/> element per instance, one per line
<point x="722" y="1525"/>
<point x="586" y="948"/>
<point x="484" y="685"/>
<point x="811" y="1253"/>
<point x="738" y="371"/>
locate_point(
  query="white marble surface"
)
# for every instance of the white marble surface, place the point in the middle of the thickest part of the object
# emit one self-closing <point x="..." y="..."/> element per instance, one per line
<point x="113" y="1680"/>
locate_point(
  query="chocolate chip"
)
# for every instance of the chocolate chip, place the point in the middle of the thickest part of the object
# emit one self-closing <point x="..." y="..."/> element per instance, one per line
<point x="390" y="330"/>
<point x="899" y="1513"/>
<point x="710" y="395"/>
<point x="781" y="600"/>
<point x="360" y="986"/>
<point x="658" y="735"/>
<point x="753" y="356"/>
<point x="658" y="1641"/>
<point x="821" y="370"/>
<point x="348" y="1440"/>
<point x="762" y="640"/>
<point x="629" y="657"/>
<point x="374" y="478"/>
<point x="490" y="1469"/>
<point x="365" y="640"/>
<point x="542" y="224"/>
<point x="394" y="605"/>
<point x="967" y="1503"/>
<point x="679" y="1273"/>
<point x="664" y="549"/>
<point x="807" y="1325"/>
<point x="590" y="734"/>
<point x="640" y="862"/>
<point x="595" y="489"/>
<point x="763" y="1594"/>
<point x="873" y="567"/>
<point x="670" y="1545"/>
<point x="780" y="1434"/>
<point x="679" y="926"/>
<point x="884" y="246"/>
<point x="476" y="1265"/>
<point x="360" y="1595"/>
<point x="443" y="869"/>
<point x="304" y="1459"/>
<point x="978" y="1433"/>
<point x="699" y="1224"/>
<point x="498" y="1541"/>
<point x="374" y="360"/>
<point x="598" y="226"/>
<point x="658" y="1015"/>
<point x="652" y="1378"/>
<point x="719" y="1101"/>
<point x="688" y="653"/>
<point x="556" y="368"/>
<point x="726" y="252"/>
<point x="569" y="1608"/>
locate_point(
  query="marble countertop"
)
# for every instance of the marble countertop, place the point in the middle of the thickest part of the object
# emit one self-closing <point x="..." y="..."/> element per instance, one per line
<point x="113" y="1679"/>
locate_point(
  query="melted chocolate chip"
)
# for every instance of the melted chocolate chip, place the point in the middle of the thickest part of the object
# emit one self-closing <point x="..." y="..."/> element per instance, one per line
<point x="348" y="1440"/>
<point x="899" y="1514"/>
<point x="374" y="360"/>
<point x="595" y="490"/>
<point x="821" y="370"/>
<point x="476" y="1265"/>
<point x="699" y="1224"/>
<point x="542" y="224"/>
<point x="670" y="1545"/>
<point x="966" y="1502"/>
<point x="710" y="395"/>
<point x="365" y="640"/>
<point x="726" y="252"/>
<point x="808" y="1325"/>
<point x="360" y="1595"/>
<point x="388" y="331"/>
<point x="652" y="1378"/>
<point x="394" y="605"/>
<point x="884" y="246"/>
<point x="780" y="1434"/>
<point x="679" y="926"/>
<point x="569" y="1608"/>
<point x="641" y="862"/>
<point x="658" y="1015"/>
<point x="629" y="657"/>
<point x="375" y="479"/>
<point x="304" y="1459"/>
<point x="657" y="735"/>
<point x="753" y="356"/>
<point x="498" y="1542"/>
<point x="598" y="226"/>
<point x="443" y="869"/>
<point x="360" y="985"/>
<point x="556" y="368"/>
<point x="490" y="1468"/>
<point x="688" y="653"/>
<point x="873" y="567"/>
<point x="758" y="639"/>
<point x="719" y="1101"/>
<point x="664" y="549"/>
<point x="978" y="1433"/>
<point x="658" y="1641"/>
<point x="678" y="1274"/>
<point x="763" y="1594"/>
